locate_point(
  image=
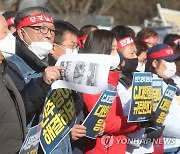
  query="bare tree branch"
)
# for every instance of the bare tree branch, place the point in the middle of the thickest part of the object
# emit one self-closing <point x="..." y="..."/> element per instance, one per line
<point x="80" y="5"/>
<point x="87" y="7"/>
<point x="73" y="5"/>
<point x="66" y="5"/>
<point x="106" y="6"/>
<point x="55" y="6"/>
<point x="11" y="6"/>
<point x="15" y="5"/>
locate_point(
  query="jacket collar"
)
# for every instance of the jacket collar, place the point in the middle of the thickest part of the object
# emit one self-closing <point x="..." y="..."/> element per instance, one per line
<point x="126" y="79"/>
<point x="30" y="58"/>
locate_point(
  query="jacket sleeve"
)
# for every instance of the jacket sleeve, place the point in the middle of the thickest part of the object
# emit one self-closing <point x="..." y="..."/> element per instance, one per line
<point x="116" y="123"/>
<point x="34" y="94"/>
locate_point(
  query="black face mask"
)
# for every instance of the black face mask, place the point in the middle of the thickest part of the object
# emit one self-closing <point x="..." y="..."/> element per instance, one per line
<point x="130" y="65"/>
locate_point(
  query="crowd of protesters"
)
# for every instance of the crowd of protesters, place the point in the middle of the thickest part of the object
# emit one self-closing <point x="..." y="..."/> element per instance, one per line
<point x="30" y="44"/>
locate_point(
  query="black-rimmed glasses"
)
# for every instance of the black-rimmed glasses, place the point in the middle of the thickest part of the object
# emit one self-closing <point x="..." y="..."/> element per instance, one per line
<point x="43" y="29"/>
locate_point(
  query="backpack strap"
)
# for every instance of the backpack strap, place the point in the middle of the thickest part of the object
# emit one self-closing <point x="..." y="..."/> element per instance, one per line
<point x="27" y="72"/>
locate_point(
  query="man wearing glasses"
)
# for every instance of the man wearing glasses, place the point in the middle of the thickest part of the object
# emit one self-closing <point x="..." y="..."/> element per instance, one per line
<point x="65" y="40"/>
<point x="29" y="67"/>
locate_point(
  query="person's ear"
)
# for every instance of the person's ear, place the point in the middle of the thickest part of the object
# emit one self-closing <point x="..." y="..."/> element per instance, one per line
<point x="155" y="63"/>
<point x="21" y="33"/>
<point x="53" y="53"/>
<point x="12" y="29"/>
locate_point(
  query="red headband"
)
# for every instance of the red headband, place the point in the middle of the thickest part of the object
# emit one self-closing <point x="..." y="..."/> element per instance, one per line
<point x="37" y="18"/>
<point x="81" y="39"/>
<point x="10" y="21"/>
<point x="152" y="39"/>
<point x="124" y="42"/>
<point x="162" y="53"/>
<point x="177" y="41"/>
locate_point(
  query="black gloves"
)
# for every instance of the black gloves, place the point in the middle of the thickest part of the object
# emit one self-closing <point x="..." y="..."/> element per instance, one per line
<point x="150" y="123"/>
<point x="152" y="134"/>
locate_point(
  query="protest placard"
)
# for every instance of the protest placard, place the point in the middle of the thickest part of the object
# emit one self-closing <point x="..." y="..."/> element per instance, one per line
<point x="58" y="119"/>
<point x="141" y="104"/>
<point x="163" y="106"/>
<point x="157" y="87"/>
<point x="96" y="117"/>
<point x="31" y="142"/>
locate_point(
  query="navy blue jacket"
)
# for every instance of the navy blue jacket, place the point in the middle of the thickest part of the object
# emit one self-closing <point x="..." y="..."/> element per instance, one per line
<point x="35" y="91"/>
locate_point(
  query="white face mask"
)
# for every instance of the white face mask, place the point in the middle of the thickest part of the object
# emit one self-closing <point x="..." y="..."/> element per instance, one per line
<point x="68" y="50"/>
<point x="8" y="45"/>
<point x="140" y="67"/>
<point x="71" y="51"/>
<point x="40" y="49"/>
<point x="115" y="62"/>
<point x="170" y="69"/>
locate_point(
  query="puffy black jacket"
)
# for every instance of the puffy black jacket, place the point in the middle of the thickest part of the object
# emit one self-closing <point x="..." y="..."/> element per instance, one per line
<point x="12" y="115"/>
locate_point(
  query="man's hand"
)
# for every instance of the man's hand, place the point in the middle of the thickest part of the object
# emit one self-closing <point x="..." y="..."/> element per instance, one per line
<point x="52" y="73"/>
<point x="77" y="132"/>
